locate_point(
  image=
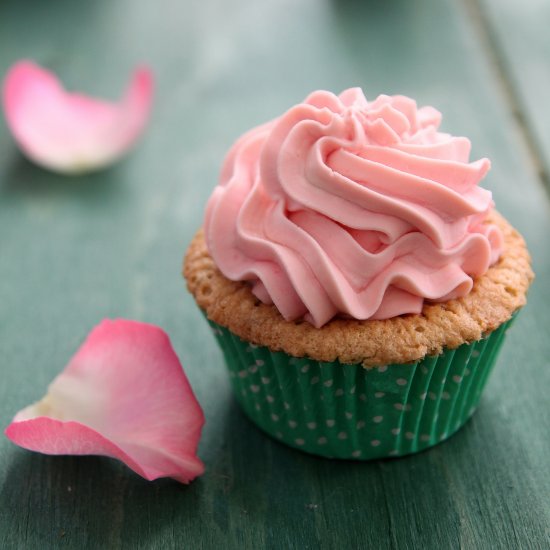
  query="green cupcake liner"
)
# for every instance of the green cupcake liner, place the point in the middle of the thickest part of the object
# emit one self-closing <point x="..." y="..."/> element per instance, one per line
<point x="346" y="411"/>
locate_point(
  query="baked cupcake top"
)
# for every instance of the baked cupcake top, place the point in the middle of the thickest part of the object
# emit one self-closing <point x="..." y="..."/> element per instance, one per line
<point x="493" y="299"/>
<point x="352" y="209"/>
<point x="355" y="231"/>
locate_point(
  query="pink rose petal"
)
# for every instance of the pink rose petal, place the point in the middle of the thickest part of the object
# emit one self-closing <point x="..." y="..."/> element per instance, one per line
<point x="70" y="132"/>
<point x="124" y="395"/>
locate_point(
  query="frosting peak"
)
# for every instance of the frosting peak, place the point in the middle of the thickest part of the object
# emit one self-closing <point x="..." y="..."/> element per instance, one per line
<point x="344" y="206"/>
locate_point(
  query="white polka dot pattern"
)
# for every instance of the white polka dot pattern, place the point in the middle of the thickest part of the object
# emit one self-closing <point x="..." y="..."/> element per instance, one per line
<point x="349" y="412"/>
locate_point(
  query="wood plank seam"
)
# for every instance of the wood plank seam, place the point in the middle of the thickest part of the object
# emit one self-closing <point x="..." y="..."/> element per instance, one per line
<point x="488" y="41"/>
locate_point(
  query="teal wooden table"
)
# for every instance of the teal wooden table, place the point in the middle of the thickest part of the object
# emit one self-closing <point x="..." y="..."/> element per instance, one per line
<point x="74" y="251"/>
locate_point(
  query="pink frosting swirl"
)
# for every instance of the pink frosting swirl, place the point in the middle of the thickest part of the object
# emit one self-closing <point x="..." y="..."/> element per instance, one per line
<point x="347" y="207"/>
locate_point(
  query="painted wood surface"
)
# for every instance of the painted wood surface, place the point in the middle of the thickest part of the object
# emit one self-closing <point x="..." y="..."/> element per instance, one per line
<point x="519" y="37"/>
<point x="73" y="251"/>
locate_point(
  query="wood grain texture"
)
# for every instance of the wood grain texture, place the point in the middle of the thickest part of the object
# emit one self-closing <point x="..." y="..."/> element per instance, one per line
<point x="519" y="37"/>
<point x="110" y="245"/>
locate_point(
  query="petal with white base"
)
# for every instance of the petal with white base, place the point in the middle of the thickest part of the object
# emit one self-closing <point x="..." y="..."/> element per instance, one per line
<point x="123" y="395"/>
<point x="69" y="132"/>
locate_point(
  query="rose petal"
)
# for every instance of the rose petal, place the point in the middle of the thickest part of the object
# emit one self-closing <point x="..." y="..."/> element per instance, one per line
<point x="70" y="132"/>
<point x="124" y="395"/>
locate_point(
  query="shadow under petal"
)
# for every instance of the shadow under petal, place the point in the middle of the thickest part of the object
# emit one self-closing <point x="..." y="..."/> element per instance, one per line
<point x="59" y="494"/>
<point x="23" y="178"/>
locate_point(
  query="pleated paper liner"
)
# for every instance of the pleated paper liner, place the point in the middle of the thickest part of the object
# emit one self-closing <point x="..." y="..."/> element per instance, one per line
<point x="347" y="411"/>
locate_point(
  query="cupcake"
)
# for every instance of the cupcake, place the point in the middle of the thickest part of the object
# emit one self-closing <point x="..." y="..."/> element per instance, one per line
<point x="356" y="276"/>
